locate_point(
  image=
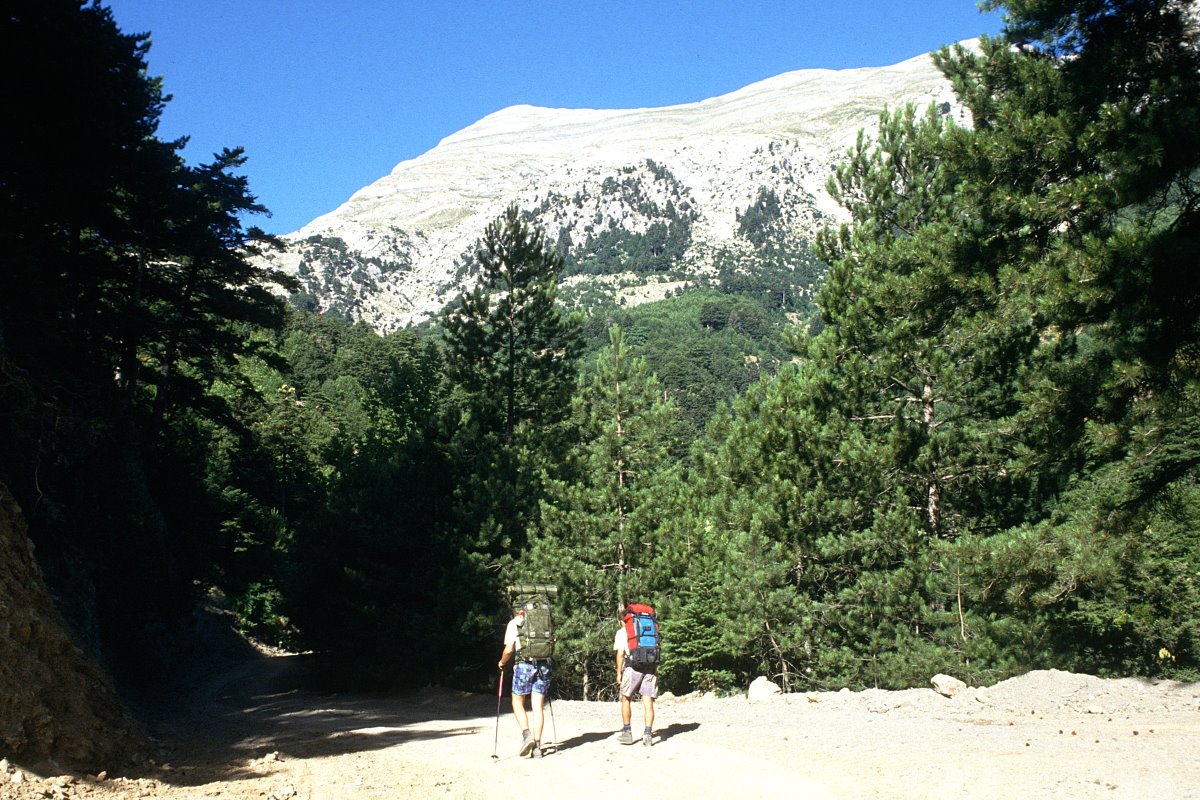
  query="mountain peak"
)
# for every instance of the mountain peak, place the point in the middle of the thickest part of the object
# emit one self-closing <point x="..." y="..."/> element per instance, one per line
<point x="398" y="249"/>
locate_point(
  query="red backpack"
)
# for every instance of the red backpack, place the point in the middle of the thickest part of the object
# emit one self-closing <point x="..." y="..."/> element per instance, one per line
<point x="641" y="628"/>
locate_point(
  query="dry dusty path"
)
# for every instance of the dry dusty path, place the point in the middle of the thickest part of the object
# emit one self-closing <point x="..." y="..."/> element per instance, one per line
<point x="1042" y="735"/>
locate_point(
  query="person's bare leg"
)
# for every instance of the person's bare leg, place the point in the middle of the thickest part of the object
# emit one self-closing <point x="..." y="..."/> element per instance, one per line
<point x="648" y="711"/>
<point x="539" y="717"/>
<point x="518" y="706"/>
<point x="626" y="710"/>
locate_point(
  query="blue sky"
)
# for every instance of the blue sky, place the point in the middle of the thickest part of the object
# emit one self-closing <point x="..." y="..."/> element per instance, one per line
<point x="327" y="97"/>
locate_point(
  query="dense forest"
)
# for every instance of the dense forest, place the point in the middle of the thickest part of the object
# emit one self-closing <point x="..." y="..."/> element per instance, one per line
<point x="980" y="457"/>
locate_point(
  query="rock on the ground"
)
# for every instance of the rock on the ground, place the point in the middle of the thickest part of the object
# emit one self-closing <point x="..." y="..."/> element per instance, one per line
<point x="946" y="685"/>
<point x="762" y="688"/>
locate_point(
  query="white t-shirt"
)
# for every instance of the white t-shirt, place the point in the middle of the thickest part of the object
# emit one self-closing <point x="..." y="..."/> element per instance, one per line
<point x="512" y="634"/>
<point x="621" y="641"/>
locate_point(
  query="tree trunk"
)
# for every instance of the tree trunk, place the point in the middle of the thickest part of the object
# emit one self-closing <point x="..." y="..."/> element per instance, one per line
<point x="933" y="508"/>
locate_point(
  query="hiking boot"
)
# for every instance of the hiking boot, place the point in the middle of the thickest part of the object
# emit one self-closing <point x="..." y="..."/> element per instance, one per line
<point x="626" y="736"/>
<point x="527" y="743"/>
<point x="537" y="749"/>
<point x="646" y="739"/>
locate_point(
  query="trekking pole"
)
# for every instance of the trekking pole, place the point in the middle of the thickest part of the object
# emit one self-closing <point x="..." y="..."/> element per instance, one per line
<point x="496" y="738"/>
<point x="553" y="723"/>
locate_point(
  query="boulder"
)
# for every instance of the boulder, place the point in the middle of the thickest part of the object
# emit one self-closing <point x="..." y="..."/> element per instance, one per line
<point x="946" y="686"/>
<point x="762" y="688"/>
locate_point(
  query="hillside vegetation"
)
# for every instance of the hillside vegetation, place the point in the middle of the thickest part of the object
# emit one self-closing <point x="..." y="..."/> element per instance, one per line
<point x="973" y="449"/>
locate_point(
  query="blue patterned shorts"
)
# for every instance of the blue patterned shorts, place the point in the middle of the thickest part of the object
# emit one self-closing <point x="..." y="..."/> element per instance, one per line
<point x="527" y="675"/>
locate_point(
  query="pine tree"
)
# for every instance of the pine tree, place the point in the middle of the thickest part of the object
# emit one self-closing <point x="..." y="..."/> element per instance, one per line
<point x="511" y="353"/>
<point x="997" y="316"/>
<point x="597" y="533"/>
<point x="509" y="345"/>
<point x="127" y="293"/>
<point x="1082" y="172"/>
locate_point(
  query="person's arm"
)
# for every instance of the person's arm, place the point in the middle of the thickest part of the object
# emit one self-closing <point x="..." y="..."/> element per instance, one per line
<point x="511" y="641"/>
<point x="620" y="664"/>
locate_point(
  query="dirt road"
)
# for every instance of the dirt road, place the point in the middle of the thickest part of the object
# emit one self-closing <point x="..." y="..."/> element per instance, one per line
<point x="1045" y="734"/>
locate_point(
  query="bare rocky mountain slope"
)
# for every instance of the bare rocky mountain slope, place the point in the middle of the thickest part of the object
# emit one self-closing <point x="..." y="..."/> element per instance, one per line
<point x="56" y="705"/>
<point x="631" y="197"/>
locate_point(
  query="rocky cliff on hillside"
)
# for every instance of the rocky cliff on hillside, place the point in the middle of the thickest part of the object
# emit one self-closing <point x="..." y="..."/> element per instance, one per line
<point x="56" y="706"/>
<point x="631" y="198"/>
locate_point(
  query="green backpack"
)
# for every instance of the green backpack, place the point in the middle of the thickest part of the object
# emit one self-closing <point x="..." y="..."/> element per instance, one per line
<point x="536" y="636"/>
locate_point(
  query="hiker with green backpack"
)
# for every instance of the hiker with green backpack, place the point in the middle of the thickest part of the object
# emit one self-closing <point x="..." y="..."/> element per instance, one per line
<point x="637" y="648"/>
<point x="529" y="640"/>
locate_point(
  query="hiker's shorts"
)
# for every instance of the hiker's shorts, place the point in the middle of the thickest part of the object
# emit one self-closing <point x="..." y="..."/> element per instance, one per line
<point x="634" y="682"/>
<point x="530" y="676"/>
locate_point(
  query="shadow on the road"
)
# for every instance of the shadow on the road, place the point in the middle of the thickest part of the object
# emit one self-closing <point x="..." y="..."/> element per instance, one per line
<point x="240" y="725"/>
<point x="676" y="728"/>
<point x="248" y="714"/>
<point x="584" y="738"/>
<point x="660" y="735"/>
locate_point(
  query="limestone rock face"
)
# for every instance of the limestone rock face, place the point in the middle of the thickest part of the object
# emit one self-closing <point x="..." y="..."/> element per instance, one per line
<point x="596" y="179"/>
<point x="58" y="706"/>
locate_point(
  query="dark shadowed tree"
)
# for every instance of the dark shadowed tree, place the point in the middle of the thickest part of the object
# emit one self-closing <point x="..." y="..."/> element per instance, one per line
<point x="126" y="290"/>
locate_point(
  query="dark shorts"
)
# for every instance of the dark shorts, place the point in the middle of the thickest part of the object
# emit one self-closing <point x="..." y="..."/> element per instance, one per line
<point x="528" y="676"/>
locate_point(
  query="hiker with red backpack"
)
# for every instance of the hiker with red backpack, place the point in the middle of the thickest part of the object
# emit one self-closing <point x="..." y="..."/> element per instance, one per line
<point x="637" y="648"/>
